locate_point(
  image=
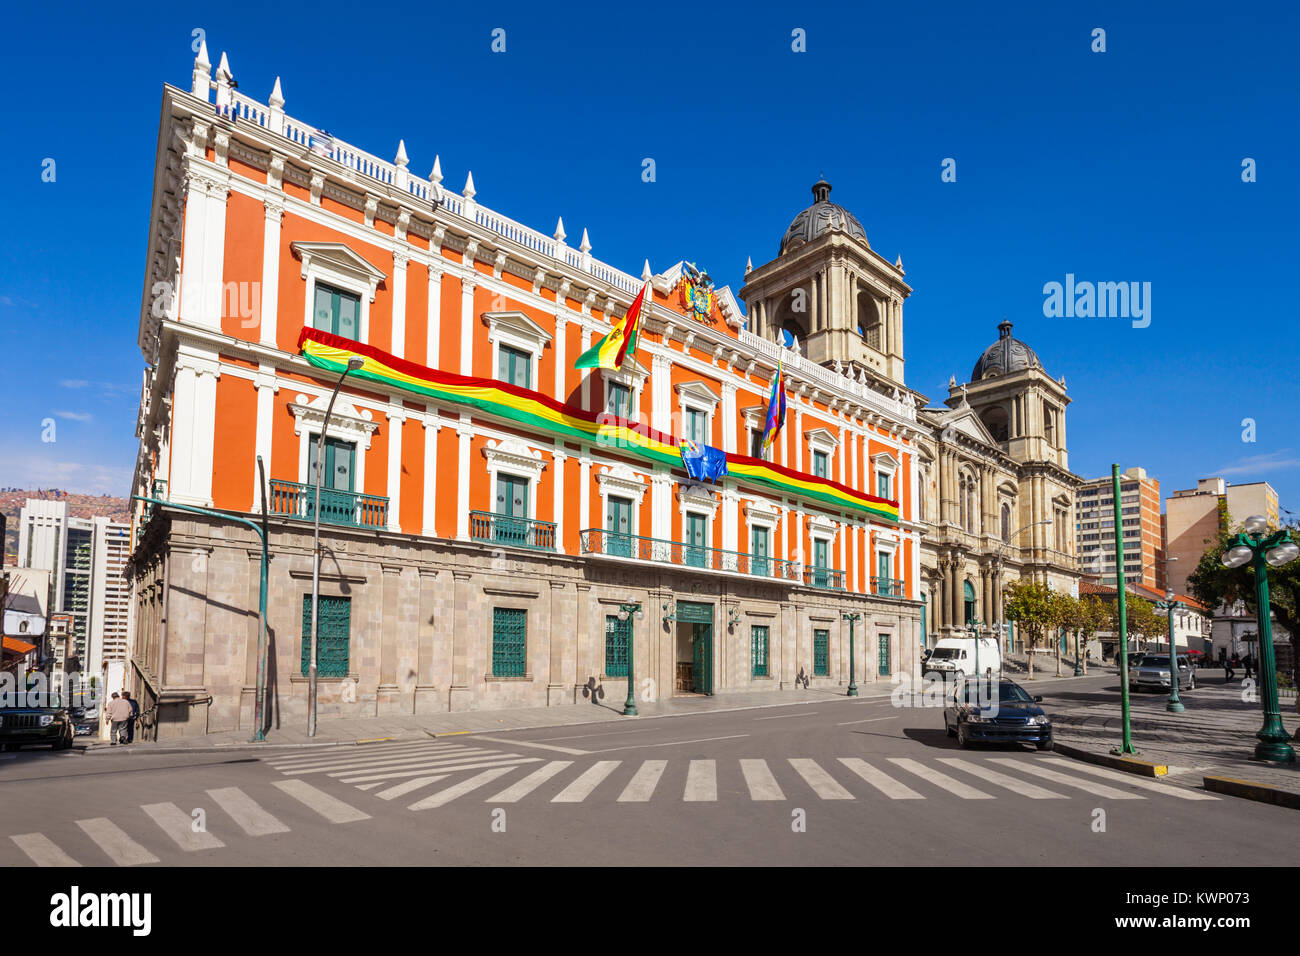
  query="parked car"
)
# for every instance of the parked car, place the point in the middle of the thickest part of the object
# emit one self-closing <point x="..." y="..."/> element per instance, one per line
<point x="85" y="721"/>
<point x="956" y="655"/>
<point x="1152" y="670"/>
<point x="996" y="711"/>
<point x="35" y="725"/>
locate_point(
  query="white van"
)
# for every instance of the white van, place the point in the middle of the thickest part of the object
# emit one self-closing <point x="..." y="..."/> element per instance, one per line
<point x="953" y="655"/>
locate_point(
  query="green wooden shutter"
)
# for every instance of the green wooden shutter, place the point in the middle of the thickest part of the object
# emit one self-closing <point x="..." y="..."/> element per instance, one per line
<point x="618" y="635"/>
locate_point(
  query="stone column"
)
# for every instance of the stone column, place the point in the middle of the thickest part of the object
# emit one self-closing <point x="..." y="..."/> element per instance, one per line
<point x="427" y="652"/>
<point x="559" y="689"/>
<point x="387" y="696"/>
<point x="460" y="696"/>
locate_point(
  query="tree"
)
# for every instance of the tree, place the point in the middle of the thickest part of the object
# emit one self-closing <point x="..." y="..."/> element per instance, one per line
<point x="1093" y="616"/>
<point x="1064" y="609"/>
<point x="1030" y="605"/>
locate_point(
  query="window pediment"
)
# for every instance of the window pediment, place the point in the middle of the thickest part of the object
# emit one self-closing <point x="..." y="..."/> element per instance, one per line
<point x="335" y="258"/>
<point x="621" y="480"/>
<point x="822" y="439"/>
<point x="698" y="394"/>
<point x="513" y="456"/>
<point x="518" y="325"/>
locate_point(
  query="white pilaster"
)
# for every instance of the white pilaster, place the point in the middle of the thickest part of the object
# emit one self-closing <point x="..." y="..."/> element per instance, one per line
<point x="844" y="556"/>
<point x="431" y="427"/>
<point x="728" y="419"/>
<point x="274" y="209"/>
<point x="557" y="477"/>
<point x="730" y="520"/>
<point x="584" y="493"/>
<point x="660" y="393"/>
<point x="852" y="529"/>
<point x="561" y="360"/>
<point x="798" y="441"/>
<point x="463" y="432"/>
<point x="265" y="382"/>
<point x="434" y="315"/>
<point x="400" y="259"/>
<point x="466" y="326"/>
<point x="661" y="486"/>
<point x="204" y="245"/>
<point x="194" y="414"/>
<point x="396" y="416"/>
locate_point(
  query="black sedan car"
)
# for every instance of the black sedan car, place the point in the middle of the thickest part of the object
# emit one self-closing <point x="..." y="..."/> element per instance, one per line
<point x="996" y="711"/>
<point x="36" y="725"/>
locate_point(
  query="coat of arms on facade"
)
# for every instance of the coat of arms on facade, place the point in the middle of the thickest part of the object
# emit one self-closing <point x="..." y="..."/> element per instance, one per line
<point x="696" y="290"/>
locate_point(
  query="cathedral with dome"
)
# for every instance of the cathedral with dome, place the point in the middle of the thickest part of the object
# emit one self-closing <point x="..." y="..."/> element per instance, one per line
<point x="995" y="491"/>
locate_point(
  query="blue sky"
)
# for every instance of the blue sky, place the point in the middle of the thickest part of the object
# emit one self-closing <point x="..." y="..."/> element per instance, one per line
<point x="1116" y="166"/>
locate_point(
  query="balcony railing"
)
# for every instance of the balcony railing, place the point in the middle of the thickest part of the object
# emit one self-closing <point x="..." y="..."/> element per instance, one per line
<point x="887" y="587"/>
<point x="823" y="578"/>
<point x="347" y="508"/>
<point x="512" y="532"/>
<point x="613" y="544"/>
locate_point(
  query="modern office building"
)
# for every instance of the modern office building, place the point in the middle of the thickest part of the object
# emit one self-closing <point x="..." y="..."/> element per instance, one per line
<point x="1140" y="523"/>
<point x="1193" y="517"/>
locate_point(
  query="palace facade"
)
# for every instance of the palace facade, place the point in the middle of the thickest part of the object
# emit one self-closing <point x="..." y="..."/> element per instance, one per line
<point x="498" y="529"/>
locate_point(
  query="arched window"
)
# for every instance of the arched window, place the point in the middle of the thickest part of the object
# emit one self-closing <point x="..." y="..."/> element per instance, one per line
<point x="1006" y="523"/>
<point x="996" y="421"/>
<point x="869" y="324"/>
<point x="1049" y="423"/>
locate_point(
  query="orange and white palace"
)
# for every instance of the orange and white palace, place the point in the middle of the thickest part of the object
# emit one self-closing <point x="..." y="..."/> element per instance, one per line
<point x="497" y="528"/>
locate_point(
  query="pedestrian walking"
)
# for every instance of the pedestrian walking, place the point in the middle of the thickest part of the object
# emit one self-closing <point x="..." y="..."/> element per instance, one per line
<point x="135" y="715"/>
<point x="119" y="715"/>
<point x="1248" y="662"/>
<point x="1228" y="674"/>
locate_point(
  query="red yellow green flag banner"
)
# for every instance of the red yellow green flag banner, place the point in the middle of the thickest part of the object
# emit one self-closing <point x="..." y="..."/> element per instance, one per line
<point x="514" y="403"/>
<point x="619" y="341"/>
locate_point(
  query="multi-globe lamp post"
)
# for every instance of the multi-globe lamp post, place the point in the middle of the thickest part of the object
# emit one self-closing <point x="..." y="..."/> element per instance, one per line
<point x="852" y="618"/>
<point x="1169" y="605"/>
<point x="1260" y="549"/>
<point x="631" y="609"/>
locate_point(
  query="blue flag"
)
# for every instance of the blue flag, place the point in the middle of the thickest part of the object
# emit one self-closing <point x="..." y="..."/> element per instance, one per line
<point x="703" y="462"/>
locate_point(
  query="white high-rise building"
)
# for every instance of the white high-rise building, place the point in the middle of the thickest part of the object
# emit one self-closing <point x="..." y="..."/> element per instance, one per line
<point x="110" y="592"/>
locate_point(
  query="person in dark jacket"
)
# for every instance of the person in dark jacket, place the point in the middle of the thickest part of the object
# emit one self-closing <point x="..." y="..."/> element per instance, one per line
<point x="135" y="714"/>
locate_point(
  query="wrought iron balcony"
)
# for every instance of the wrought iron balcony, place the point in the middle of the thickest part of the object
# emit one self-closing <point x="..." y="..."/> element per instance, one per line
<point x="823" y="578"/>
<point x="347" y="508"/>
<point x="888" y="587"/>
<point x="512" y="532"/>
<point x="615" y="545"/>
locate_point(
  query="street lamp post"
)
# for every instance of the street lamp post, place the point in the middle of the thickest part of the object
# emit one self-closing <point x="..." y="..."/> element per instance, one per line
<point x="975" y="626"/>
<point x="624" y="612"/>
<point x="1126" y="744"/>
<point x="853" y="686"/>
<point x="1169" y="605"/>
<point x="354" y="363"/>
<point x="1276" y="549"/>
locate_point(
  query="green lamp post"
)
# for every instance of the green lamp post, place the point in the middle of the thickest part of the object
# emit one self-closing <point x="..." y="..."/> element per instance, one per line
<point x="853" y="685"/>
<point x="624" y="612"/>
<point x="1169" y="605"/>
<point x="1276" y="549"/>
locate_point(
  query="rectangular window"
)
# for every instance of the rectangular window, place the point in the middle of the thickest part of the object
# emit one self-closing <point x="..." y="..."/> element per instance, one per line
<point x="697" y="426"/>
<point x="514" y="366"/>
<point x="618" y="522"/>
<point x="821" y="552"/>
<point x="337" y="311"/>
<point x="758" y="649"/>
<point x="331" y="636"/>
<point x="617" y="636"/>
<point x="884" y="574"/>
<point x="882" y="486"/>
<point x="696" y="555"/>
<point x="509" y="641"/>
<point x="340" y="457"/>
<point x="819" y="463"/>
<point x="883" y="653"/>
<point x="620" y="400"/>
<point x="821" y="653"/>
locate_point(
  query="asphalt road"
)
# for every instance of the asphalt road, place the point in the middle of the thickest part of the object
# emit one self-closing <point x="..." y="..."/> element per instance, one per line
<point x="831" y="783"/>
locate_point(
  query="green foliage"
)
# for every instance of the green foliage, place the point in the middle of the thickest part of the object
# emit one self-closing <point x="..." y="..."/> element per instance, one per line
<point x="1212" y="584"/>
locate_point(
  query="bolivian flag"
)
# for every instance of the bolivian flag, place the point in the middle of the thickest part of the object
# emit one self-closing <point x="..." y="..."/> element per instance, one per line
<point x="620" y="341"/>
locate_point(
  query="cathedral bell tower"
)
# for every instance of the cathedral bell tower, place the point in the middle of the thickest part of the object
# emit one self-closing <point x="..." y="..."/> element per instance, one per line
<point x="831" y="295"/>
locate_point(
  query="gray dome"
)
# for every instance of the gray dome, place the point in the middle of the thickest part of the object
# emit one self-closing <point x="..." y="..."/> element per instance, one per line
<point x="821" y="217"/>
<point x="1004" y="356"/>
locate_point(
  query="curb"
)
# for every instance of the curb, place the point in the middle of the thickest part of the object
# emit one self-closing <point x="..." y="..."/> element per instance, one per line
<point x="1249" y="790"/>
<point x="1142" y="768"/>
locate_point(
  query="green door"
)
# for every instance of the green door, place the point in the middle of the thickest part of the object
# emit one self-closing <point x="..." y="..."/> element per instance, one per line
<point x="695" y="554"/>
<point x="884" y="575"/>
<point x="758" y="548"/>
<point x="337" y="504"/>
<point x="820" y="577"/>
<point x="511" y="507"/>
<point x="702" y="646"/>
<point x="618" y="522"/>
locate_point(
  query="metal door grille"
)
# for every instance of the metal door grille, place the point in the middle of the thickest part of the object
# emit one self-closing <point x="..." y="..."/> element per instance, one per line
<point x="332" y="635"/>
<point x="509" y="641"/>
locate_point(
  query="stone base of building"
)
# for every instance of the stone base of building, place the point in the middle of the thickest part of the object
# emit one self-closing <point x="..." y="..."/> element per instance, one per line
<point x="414" y="625"/>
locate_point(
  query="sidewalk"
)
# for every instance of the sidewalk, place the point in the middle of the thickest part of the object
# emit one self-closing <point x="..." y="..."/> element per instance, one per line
<point x="1214" y="736"/>
<point x="334" y="732"/>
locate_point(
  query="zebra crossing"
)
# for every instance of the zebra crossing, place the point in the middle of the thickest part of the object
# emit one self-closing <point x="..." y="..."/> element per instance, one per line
<point x="430" y="775"/>
<point x="173" y="830"/>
